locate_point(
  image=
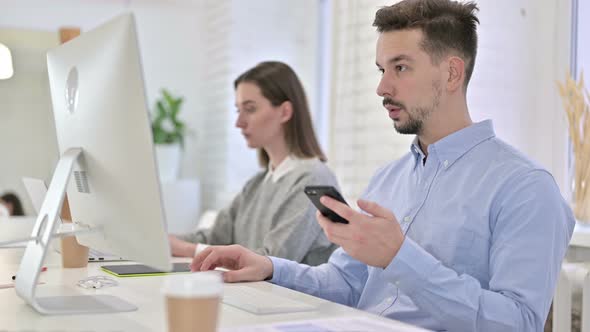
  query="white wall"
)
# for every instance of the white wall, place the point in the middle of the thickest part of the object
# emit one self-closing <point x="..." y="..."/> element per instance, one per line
<point x="167" y="32"/>
<point x="583" y="56"/>
<point x="550" y="138"/>
<point x="362" y="137"/>
<point x="169" y="43"/>
<point x="28" y="145"/>
<point x="238" y="35"/>
<point x="196" y="49"/>
<point x="524" y="48"/>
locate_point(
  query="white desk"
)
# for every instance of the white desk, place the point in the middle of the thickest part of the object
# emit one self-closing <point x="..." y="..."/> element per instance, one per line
<point x="573" y="278"/>
<point x="144" y="292"/>
<point x="579" y="247"/>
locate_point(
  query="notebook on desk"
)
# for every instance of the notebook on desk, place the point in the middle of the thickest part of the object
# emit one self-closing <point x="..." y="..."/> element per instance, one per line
<point x="140" y="270"/>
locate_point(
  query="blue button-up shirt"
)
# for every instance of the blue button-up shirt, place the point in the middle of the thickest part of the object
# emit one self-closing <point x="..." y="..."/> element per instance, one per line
<point x="486" y="231"/>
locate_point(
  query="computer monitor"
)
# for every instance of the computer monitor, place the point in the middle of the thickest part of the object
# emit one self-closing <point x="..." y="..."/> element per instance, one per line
<point x="105" y="142"/>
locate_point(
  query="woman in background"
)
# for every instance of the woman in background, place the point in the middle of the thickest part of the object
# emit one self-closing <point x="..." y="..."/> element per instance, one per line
<point x="272" y="215"/>
<point x="12" y="203"/>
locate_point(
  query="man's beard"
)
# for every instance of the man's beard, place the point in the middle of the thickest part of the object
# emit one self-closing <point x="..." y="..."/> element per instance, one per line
<point x="414" y="124"/>
<point x="416" y="116"/>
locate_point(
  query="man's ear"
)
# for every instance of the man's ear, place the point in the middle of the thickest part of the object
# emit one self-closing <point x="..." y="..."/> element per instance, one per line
<point x="286" y="111"/>
<point x="456" y="77"/>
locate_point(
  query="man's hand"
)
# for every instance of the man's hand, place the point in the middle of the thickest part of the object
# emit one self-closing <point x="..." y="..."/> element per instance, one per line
<point x="245" y="265"/>
<point x="180" y="248"/>
<point x="372" y="239"/>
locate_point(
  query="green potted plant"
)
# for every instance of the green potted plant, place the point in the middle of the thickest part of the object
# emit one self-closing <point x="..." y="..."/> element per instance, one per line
<point x="169" y="132"/>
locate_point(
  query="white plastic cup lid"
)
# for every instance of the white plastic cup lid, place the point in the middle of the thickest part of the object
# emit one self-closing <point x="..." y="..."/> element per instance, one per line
<point x="198" y="284"/>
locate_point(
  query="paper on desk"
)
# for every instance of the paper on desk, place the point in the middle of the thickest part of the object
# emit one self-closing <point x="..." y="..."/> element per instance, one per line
<point x="354" y="324"/>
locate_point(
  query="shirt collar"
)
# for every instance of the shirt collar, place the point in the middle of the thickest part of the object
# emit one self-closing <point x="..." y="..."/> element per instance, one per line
<point x="416" y="151"/>
<point x="450" y="148"/>
<point x="286" y="166"/>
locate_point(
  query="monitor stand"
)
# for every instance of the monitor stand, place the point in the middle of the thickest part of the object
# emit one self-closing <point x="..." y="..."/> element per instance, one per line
<point x="45" y="228"/>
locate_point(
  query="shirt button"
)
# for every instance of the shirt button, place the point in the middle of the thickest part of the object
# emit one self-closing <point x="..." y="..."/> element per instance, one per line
<point x="446" y="163"/>
<point x="407" y="219"/>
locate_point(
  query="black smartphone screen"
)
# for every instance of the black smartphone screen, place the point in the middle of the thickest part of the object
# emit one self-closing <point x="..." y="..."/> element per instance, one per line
<point x="314" y="193"/>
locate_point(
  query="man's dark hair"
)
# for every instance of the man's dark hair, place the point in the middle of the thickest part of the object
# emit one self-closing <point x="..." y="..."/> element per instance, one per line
<point x="447" y="26"/>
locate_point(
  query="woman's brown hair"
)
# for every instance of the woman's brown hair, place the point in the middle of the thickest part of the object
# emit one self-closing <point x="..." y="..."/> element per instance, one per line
<point x="279" y="83"/>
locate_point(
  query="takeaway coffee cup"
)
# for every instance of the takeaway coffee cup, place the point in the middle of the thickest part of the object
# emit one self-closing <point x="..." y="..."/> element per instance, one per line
<point x="192" y="301"/>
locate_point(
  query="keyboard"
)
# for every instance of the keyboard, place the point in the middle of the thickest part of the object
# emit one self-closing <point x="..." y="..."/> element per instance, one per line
<point x="261" y="302"/>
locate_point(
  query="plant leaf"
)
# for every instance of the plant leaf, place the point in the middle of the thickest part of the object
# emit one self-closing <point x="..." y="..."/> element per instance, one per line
<point x="167" y="127"/>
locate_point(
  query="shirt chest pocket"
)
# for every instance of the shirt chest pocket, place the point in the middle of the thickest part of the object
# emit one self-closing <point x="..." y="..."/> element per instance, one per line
<point x="469" y="253"/>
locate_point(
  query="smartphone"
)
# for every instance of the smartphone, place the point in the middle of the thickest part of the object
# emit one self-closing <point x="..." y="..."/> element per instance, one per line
<point x="314" y="193"/>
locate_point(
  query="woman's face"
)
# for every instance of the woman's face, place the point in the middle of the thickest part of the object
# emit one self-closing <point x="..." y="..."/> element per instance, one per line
<point x="261" y="123"/>
<point x="5" y="210"/>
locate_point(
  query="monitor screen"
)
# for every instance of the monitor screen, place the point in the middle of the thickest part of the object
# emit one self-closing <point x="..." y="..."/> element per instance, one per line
<point x="99" y="106"/>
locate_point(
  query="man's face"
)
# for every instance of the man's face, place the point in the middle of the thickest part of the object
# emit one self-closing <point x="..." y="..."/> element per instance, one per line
<point x="410" y="85"/>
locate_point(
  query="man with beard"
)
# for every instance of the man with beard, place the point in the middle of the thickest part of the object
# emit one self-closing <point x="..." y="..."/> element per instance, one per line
<point x="464" y="233"/>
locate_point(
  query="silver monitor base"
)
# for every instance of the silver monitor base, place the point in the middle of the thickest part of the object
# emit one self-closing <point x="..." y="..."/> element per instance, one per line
<point x="45" y="228"/>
